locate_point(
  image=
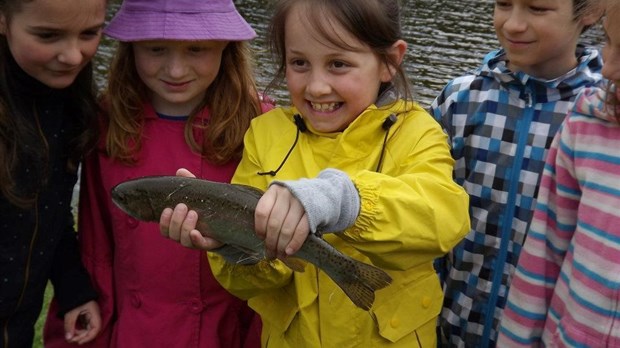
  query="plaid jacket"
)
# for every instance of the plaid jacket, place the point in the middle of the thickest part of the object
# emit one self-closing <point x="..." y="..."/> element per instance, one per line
<point x="500" y="125"/>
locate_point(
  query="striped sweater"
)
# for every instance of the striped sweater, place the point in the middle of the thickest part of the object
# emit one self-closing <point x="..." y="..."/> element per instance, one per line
<point x="566" y="289"/>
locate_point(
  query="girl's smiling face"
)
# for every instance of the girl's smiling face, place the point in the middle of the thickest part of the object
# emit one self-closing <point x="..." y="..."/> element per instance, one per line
<point x="329" y="85"/>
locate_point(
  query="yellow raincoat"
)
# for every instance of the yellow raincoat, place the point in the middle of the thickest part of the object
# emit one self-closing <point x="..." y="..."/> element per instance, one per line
<point x="411" y="213"/>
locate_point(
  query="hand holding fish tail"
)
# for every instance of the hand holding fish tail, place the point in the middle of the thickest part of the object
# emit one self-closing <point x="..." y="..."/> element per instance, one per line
<point x="281" y="222"/>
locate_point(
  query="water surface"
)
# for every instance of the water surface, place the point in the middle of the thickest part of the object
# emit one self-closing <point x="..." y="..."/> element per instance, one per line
<point x="446" y="39"/>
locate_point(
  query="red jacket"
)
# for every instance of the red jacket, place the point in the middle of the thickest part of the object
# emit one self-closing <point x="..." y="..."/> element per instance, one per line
<point x="153" y="291"/>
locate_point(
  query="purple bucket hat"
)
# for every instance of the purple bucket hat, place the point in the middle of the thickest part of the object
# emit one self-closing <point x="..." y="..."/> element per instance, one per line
<point x="140" y="20"/>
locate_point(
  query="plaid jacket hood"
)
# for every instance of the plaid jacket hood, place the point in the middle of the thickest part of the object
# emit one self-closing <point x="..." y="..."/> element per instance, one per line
<point x="500" y="125"/>
<point x="587" y="71"/>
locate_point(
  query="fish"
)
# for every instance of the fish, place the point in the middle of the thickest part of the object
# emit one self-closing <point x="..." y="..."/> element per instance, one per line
<point x="226" y="213"/>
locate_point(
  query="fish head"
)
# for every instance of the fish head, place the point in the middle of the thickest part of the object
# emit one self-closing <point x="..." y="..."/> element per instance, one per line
<point x="145" y="198"/>
<point x="141" y="198"/>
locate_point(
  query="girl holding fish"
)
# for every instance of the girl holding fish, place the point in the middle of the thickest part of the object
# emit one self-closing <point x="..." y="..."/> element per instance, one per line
<point x="355" y="160"/>
<point x="180" y="92"/>
<point x="48" y="123"/>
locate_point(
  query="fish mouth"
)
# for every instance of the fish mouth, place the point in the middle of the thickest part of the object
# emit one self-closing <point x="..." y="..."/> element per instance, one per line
<point x="119" y="198"/>
<point x="133" y="207"/>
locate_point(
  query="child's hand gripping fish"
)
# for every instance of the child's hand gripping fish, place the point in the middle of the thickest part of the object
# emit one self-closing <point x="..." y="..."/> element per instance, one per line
<point x="226" y="211"/>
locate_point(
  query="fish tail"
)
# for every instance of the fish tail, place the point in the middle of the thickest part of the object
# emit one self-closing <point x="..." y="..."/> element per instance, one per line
<point x="372" y="276"/>
<point x="359" y="282"/>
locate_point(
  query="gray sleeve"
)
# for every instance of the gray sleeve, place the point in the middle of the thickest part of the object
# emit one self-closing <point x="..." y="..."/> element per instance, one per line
<point x="331" y="200"/>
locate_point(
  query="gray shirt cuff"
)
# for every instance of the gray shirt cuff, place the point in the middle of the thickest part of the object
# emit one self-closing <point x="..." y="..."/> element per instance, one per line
<point x="331" y="200"/>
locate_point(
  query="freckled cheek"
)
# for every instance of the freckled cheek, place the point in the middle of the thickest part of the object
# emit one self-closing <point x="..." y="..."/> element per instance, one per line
<point x="209" y="66"/>
<point x="147" y="67"/>
<point x="611" y="68"/>
<point x="296" y="83"/>
<point x="24" y="51"/>
<point x="34" y="62"/>
<point x="498" y="22"/>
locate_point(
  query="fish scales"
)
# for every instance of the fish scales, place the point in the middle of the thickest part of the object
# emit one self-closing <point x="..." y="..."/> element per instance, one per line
<point x="226" y="213"/>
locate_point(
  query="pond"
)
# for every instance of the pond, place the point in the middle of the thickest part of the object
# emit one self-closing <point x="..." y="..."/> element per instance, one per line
<point x="446" y="38"/>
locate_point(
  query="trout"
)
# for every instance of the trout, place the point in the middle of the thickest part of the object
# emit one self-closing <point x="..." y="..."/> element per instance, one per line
<point x="226" y="213"/>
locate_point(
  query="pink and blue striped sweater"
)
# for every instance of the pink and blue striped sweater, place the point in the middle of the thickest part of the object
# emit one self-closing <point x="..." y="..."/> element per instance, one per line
<point x="566" y="289"/>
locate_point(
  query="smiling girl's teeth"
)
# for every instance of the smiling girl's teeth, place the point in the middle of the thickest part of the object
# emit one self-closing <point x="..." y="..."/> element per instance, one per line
<point x="324" y="107"/>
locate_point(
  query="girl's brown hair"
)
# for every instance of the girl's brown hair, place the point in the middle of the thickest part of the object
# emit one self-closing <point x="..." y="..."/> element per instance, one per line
<point x="232" y="100"/>
<point x="15" y="131"/>
<point x="375" y="23"/>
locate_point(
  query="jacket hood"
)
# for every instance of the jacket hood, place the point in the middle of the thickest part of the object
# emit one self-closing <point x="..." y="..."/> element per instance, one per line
<point x="587" y="72"/>
<point x="592" y="101"/>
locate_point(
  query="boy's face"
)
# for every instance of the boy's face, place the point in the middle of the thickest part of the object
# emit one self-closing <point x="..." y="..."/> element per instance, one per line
<point x="539" y="36"/>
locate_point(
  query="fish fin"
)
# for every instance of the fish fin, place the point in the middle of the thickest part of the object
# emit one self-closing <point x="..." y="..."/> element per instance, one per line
<point x="361" y="282"/>
<point x="237" y="255"/>
<point x="248" y="260"/>
<point x="295" y="264"/>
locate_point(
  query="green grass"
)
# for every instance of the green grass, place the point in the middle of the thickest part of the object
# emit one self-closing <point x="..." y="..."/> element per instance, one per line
<point x="38" y="328"/>
<point x="37" y="342"/>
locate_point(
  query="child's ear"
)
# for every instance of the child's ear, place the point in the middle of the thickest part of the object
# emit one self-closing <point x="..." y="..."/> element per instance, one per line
<point x="396" y="53"/>
<point x="593" y="15"/>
